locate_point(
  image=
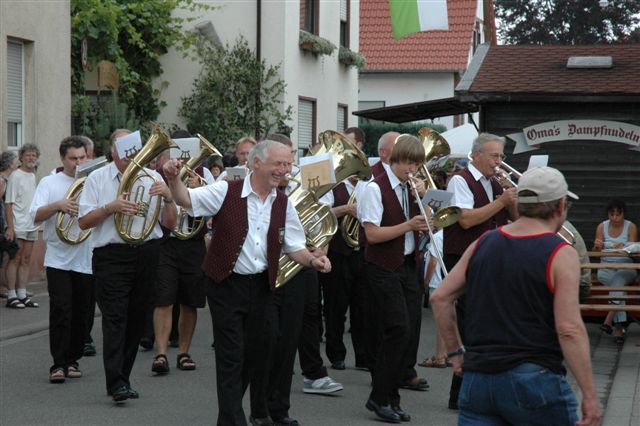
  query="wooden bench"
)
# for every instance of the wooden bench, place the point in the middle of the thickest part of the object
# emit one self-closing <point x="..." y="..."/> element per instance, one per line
<point x="599" y="297"/>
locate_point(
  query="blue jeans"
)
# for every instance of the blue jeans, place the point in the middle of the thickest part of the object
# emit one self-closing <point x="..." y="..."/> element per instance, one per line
<point x="525" y="395"/>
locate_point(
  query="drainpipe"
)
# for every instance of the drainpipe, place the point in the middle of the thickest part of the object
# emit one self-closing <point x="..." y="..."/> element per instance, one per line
<point x="259" y="59"/>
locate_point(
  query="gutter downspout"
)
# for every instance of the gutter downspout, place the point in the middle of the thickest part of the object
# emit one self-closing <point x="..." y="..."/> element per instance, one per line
<point x="259" y="59"/>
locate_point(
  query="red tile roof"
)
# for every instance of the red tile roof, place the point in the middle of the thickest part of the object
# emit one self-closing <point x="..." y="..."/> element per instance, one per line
<point x="424" y="51"/>
<point x="543" y="69"/>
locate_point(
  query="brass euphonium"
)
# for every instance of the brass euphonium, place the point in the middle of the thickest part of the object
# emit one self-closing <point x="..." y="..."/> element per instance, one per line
<point x="67" y="223"/>
<point x="187" y="228"/>
<point x="436" y="148"/>
<point x="135" y="191"/>
<point x="317" y="219"/>
<point x="350" y="228"/>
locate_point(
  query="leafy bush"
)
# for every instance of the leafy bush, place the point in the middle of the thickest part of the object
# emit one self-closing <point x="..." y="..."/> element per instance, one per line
<point x="373" y="131"/>
<point x="235" y="95"/>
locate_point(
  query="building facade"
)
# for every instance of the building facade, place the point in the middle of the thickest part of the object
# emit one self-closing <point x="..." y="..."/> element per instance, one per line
<point x="35" y="77"/>
<point x="322" y="91"/>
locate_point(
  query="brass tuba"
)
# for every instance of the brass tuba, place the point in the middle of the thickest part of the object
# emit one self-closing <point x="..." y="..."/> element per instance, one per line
<point x="66" y="223"/>
<point x="317" y="219"/>
<point x="129" y="227"/>
<point x="350" y="228"/>
<point x="186" y="228"/>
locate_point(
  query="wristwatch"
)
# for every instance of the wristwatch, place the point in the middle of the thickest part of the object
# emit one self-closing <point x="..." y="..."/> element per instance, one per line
<point x="459" y="351"/>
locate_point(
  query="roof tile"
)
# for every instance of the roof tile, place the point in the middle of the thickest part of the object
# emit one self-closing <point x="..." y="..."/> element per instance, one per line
<point x="542" y="69"/>
<point x="444" y="50"/>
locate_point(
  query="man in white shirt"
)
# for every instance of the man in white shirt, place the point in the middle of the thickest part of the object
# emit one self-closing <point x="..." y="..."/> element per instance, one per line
<point x="390" y="217"/>
<point x="19" y="195"/>
<point x="124" y="273"/>
<point x="253" y="223"/>
<point x="68" y="266"/>
<point x="243" y="146"/>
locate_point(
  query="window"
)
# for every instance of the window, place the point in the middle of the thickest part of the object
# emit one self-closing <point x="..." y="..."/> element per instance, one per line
<point x="15" y="91"/>
<point x="342" y="117"/>
<point x="306" y="123"/>
<point x="345" y="7"/>
<point x="309" y="14"/>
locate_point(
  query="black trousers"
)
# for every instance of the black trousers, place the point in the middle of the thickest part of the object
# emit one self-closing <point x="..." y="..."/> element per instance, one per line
<point x="124" y="277"/>
<point x="239" y="304"/>
<point x="344" y="288"/>
<point x="456" y="381"/>
<point x="292" y="323"/>
<point x="395" y="295"/>
<point x="91" y="312"/>
<point x="69" y="302"/>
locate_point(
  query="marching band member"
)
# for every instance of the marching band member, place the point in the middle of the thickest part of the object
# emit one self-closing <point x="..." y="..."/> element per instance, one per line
<point x="253" y="223"/>
<point x="485" y="205"/>
<point x="179" y="280"/>
<point x="385" y="147"/>
<point x="124" y="274"/>
<point x="243" y="147"/>
<point x="391" y="223"/>
<point x="68" y="267"/>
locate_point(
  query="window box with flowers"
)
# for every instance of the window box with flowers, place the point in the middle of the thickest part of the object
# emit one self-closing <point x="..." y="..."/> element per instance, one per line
<point x="315" y="44"/>
<point x="351" y="59"/>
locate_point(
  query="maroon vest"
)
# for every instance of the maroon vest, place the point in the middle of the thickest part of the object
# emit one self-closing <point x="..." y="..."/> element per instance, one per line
<point x="377" y="169"/>
<point x="457" y="239"/>
<point x="389" y="255"/>
<point x="230" y="231"/>
<point x="340" y="198"/>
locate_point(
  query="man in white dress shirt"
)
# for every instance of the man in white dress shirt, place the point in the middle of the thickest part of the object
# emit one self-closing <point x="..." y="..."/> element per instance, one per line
<point x="124" y="274"/>
<point x="253" y="223"/>
<point x="68" y="266"/>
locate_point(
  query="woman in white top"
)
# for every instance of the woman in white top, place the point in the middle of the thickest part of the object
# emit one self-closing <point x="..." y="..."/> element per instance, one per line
<point x="615" y="233"/>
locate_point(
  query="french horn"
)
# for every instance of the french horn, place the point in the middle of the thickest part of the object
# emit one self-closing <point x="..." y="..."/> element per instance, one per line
<point x="186" y="226"/>
<point x="136" y="228"/>
<point x="317" y="219"/>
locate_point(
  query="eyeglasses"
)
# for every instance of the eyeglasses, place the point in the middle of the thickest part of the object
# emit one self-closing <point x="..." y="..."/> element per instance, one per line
<point x="495" y="156"/>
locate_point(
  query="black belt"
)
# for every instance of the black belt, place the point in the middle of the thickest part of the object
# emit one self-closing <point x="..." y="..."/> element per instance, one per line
<point x="259" y="275"/>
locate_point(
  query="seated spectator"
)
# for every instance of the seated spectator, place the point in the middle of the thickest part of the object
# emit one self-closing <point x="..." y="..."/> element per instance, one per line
<point x="615" y="233"/>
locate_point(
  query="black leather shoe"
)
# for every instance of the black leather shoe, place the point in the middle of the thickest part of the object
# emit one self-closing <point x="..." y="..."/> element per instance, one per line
<point x="121" y="394"/>
<point x="385" y="412"/>
<point x="416" y="383"/>
<point x="338" y="365"/>
<point x="403" y="415"/>
<point x="286" y="421"/>
<point x="133" y="394"/>
<point x="260" y="421"/>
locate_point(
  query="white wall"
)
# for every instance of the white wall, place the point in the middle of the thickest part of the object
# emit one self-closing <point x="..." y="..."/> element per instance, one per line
<point x="322" y="77"/>
<point x="45" y="28"/>
<point x="403" y="88"/>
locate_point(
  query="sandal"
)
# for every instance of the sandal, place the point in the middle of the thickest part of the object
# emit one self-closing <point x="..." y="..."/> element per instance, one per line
<point x="606" y="328"/>
<point x="15" y="303"/>
<point x="433" y="362"/>
<point x="73" y="372"/>
<point x="56" y="375"/>
<point x="160" y="364"/>
<point x="185" y="362"/>
<point x="29" y="303"/>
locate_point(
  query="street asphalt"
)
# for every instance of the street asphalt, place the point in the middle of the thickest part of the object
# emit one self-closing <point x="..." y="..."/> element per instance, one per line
<point x="189" y="397"/>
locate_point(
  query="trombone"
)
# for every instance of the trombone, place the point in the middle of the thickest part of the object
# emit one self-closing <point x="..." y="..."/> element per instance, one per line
<point x="504" y="173"/>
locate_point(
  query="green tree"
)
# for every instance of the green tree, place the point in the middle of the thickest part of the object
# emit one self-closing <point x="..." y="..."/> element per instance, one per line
<point x="235" y="95"/>
<point x="133" y="35"/>
<point x="567" y="21"/>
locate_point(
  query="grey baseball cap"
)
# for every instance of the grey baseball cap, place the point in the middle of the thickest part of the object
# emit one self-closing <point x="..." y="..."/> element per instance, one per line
<point x="546" y="182"/>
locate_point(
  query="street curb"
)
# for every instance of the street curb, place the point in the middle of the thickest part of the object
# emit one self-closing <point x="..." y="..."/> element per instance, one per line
<point x="622" y="404"/>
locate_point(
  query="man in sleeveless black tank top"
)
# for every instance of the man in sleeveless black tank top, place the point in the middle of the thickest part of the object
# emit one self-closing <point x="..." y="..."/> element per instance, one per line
<point x="522" y="316"/>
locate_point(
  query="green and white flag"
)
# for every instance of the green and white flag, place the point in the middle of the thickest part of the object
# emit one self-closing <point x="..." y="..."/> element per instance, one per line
<point x="412" y="16"/>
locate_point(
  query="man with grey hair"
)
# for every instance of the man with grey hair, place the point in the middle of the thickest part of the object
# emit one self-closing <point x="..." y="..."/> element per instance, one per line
<point x="485" y="205"/>
<point x="21" y="188"/>
<point x="385" y="146"/>
<point x="254" y="222"/>
<point x="523" y="318"/>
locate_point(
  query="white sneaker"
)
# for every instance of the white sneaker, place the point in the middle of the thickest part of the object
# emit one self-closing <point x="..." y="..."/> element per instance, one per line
<point x="323" y="385"/>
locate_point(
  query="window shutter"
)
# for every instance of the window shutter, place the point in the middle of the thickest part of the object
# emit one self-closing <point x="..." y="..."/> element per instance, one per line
<point x="343" y="10"/>
<point x="341" y="127"/>
<point x="14" y="82"/>
<point x="305" y="123"/>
